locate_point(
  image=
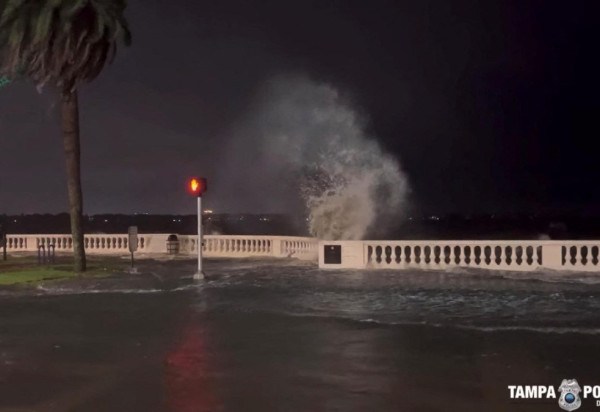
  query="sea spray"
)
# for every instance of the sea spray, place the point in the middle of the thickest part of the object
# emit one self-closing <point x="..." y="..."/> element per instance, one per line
<point x="311" y="138"/>
<point x="354" y="187"/>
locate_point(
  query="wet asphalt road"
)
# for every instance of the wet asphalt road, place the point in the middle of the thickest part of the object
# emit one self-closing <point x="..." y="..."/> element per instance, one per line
<point x="284" y="336"/>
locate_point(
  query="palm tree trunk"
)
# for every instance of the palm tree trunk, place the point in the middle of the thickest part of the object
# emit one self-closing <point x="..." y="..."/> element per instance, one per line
<point x="70" y="127"/>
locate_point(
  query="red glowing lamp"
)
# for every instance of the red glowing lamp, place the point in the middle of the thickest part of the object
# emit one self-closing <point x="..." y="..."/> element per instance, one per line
<point x="196" y="186"/>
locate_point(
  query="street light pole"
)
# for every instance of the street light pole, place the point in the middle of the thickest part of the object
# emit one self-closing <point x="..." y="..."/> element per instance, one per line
<point x="196" y="186"/>
<point x="199" y="275"/>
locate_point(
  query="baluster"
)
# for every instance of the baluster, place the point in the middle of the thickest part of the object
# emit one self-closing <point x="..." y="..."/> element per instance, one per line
<point x="585" y="254"/>
<point x="388" y="254"/>
<point x="519" y="255"/>
<point x="572" y="253"/>
<point x="508" y="252"/>
<point x="458" y="257"/>
<point x="500" y="256"/>
<point x="450" y="251"/>
<point x="427" y="254"/>
<point x="378" y="251"/>
<point x="416" y="250"/>
<point x="398" y="254"/>
<point x="408" y="258"/>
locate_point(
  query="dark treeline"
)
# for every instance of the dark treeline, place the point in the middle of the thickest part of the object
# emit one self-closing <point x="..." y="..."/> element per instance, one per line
<point x="243" y="224"/>
<point x="424" y="227"/>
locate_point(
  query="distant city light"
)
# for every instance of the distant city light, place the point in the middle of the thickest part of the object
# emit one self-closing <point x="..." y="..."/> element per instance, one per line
<point x="208" y="212"/>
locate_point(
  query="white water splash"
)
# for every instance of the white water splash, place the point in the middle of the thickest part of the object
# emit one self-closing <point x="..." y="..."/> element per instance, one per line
<point x="304" y="138"/>
<point x="353" y="187"/>
<point x="347" y="182"/>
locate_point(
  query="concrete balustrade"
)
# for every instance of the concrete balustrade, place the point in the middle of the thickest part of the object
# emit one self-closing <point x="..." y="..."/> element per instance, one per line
<point x="101" y="244"/>
<point x="442" y="254"/>
<point x="499" y="255"/>
<point x="248" y="246"/>
<point x="214" y="245"/>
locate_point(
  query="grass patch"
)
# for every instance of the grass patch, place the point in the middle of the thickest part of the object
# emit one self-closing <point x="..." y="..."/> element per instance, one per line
<point x="33" y="275"/>
<point x="24" y="269"/>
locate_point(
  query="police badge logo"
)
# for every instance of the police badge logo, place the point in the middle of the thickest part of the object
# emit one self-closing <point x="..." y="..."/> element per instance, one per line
<point x="569" y="395"/>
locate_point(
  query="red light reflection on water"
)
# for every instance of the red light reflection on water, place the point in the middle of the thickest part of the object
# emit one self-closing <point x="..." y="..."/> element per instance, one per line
<point x="187" y="381"/>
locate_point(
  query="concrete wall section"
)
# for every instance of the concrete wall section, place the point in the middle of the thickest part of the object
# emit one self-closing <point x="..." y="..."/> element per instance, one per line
<point x="352" y="254"/>
<point x="497" y="255"/>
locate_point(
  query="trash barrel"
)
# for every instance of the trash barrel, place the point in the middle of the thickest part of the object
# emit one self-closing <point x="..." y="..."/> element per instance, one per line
<point x="172" y="245"/>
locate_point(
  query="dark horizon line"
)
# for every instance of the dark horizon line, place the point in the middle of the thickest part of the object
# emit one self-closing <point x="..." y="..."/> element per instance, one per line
<point x="428" y="215"/>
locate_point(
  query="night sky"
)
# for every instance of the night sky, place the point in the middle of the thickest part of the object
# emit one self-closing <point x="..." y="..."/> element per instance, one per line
<point x="488" y="106"/>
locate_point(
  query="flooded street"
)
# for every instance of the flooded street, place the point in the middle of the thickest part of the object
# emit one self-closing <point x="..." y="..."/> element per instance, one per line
<point x="269" y="335"/>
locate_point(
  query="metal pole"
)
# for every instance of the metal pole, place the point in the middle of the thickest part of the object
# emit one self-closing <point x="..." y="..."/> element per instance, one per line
<point x="199" y="274"/>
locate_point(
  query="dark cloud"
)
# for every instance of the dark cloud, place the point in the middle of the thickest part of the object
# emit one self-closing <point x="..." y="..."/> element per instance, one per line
<point x="487" y="105"/>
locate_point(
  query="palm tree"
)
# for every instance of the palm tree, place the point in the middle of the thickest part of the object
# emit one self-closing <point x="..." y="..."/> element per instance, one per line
<point x="63" y="43"/>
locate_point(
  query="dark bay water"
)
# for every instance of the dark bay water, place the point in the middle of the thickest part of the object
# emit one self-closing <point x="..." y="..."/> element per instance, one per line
<point x="284" y="336"/>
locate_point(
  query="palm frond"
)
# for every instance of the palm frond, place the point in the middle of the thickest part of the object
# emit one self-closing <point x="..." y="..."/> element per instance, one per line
<point x="63" y="42"/>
